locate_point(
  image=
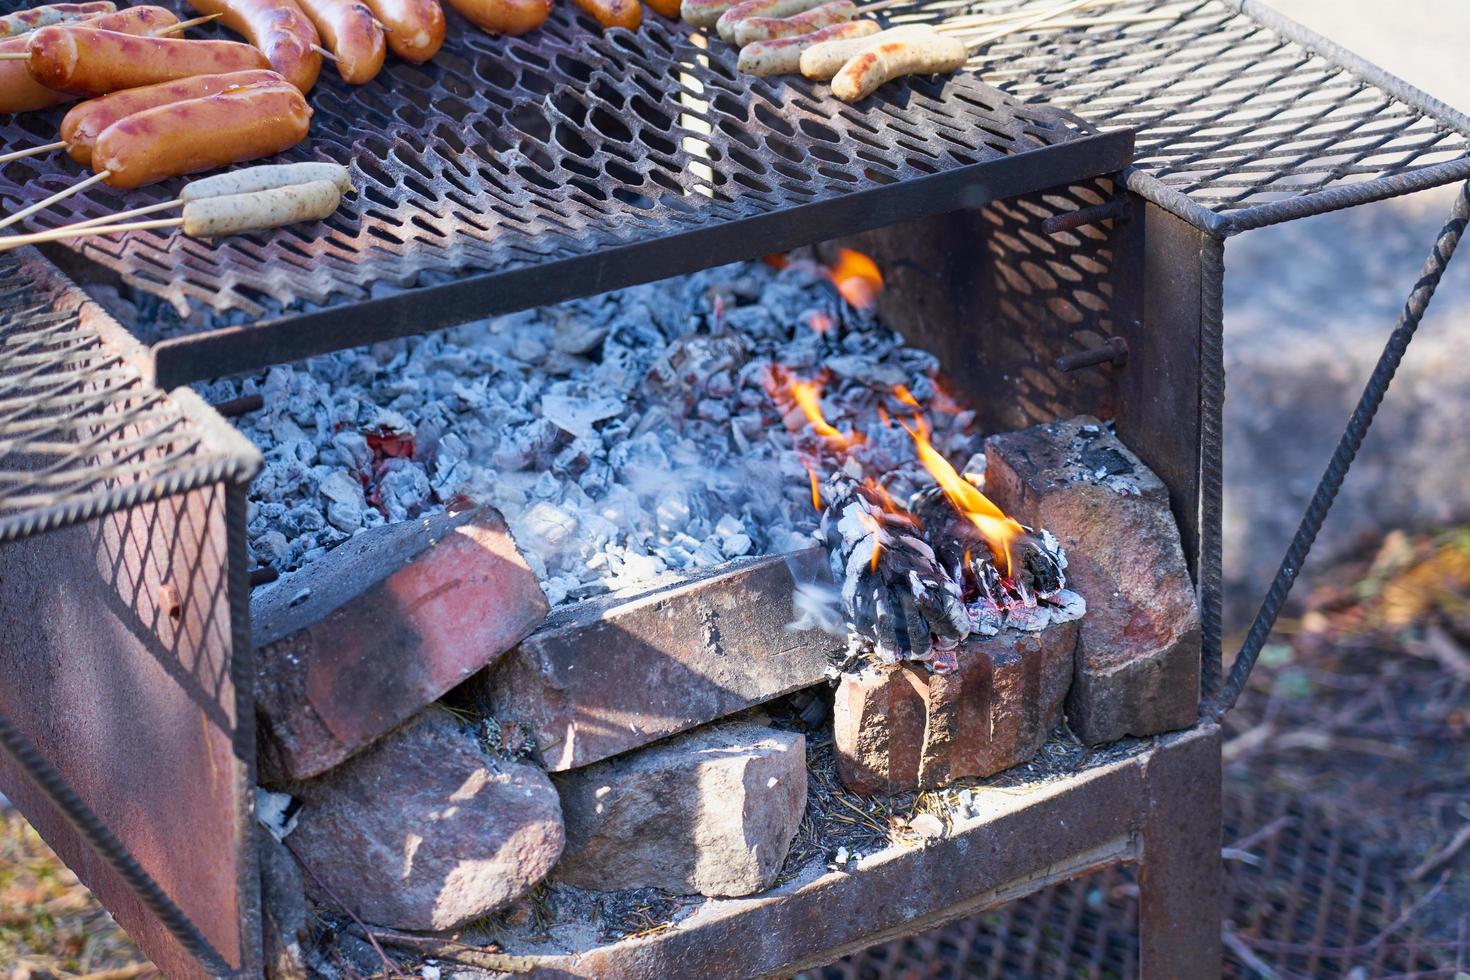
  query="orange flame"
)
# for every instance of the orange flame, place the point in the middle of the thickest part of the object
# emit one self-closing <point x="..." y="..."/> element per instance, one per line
<point x="995" y="527"/>
<point x="871" y="523"/>
<point x="820" y="322"/>
<point x="816" y="487"/>
<point x="808" y="397"/>
<point x="857" y="278"/>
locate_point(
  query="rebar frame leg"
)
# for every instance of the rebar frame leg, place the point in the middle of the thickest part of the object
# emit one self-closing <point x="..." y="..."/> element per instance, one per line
<point x="1179" y="864"/>
<point x="1347" y="449"/>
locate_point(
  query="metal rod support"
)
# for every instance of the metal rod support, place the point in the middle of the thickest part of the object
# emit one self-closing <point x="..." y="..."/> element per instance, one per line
<point x="1115" y="209"/>
<point x="243" y="405"/>
<point x="1112" y="351"/>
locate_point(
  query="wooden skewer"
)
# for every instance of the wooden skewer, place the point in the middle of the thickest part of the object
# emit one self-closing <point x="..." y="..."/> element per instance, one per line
<point x="1039" y="18"/>
<point x="1006" y="19"/>
<point x="324" y="53"/>
<point x="1053" y="25"/>
<point x="184" y="25"/>
<point x="58" y="234"/>
<point x="380" y="25"/>
<point x="80" y="185"/>
<point x="108" y="219"/>
<point x="15" y="56"/>
<point x="33" y="151"/>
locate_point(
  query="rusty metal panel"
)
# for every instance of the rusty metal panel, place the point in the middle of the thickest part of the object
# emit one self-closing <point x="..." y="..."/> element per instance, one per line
<point x="116" y="645"/>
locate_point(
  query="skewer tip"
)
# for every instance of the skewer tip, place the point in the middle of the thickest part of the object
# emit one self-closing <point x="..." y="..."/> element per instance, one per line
<point x="324" y="53"/>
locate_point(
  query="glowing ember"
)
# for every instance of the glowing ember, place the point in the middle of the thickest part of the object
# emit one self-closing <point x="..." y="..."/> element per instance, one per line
<point x="857" y="278"/>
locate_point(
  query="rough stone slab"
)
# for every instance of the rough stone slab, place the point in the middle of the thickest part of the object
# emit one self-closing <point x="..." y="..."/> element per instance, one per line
<point x="1138" y="648"/>
<point x="901" y="728"/>
<point x="390" y="621"/>
<point x="711" y="812"/>
<point x="425" y="831"/>
<point x="608" y="675"/>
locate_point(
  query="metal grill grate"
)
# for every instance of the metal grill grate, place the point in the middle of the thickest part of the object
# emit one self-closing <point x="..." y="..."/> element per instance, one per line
<point x="81" y="435"/>
<point x="1243" y="117"/>
<point x="1316" y="899"/>
<point x="509" y="155"/>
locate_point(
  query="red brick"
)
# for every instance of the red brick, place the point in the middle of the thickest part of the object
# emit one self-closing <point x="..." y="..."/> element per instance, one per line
<point x="1138" y="648"/>
<point x="394" y="618"/>
<point x="902" y="728"/>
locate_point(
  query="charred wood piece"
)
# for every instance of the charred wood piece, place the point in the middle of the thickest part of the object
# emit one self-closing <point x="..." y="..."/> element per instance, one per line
<point x="895" y="594"/>
<point x="1038" y="564"/>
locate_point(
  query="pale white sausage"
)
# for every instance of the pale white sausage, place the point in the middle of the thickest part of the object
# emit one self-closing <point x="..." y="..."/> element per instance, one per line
<point x="212" y="217"/>
<point x="821" y="62"/>
<point x="887" y="60"/>
<point x="782" y="56"/>
<point x="760" y="8"/>
<point x="267" y="177"/>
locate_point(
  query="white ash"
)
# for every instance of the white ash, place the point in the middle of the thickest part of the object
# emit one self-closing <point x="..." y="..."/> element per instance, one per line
<point x="628" y="438"/>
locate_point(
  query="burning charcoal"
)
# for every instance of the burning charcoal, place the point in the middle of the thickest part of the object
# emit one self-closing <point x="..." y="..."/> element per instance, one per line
<point x="894" y="592"/>
<point x="1037" y="561"/>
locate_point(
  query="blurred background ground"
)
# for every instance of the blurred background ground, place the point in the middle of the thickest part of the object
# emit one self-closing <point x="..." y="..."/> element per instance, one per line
<point x="1347" y="775"/>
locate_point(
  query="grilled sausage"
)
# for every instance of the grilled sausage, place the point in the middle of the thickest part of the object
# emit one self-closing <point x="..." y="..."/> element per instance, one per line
<point x="668" y="8"/>
<point x="267" y="177"/>
<point x="821" y="62"/>
<point x="201" y="134"/>
<point x="613" y="13"/>
<point x="782" y="56"/>
<point x="887" y="60"/>
<point x="760" y="8"/>
<point x="83" y="124"/>
<point x="20" y="92"/>
<point x="25" y="21"/>
<point x="231" y="214"/>
<point x="415" y="27"/>
<point x="504" y="16"/>
<point x="88" y="61"/>
<point x="351" y="34"/>
<point x="753" y="29"/>
<point x="279" y="29"/>
<point x="703" y="13"/>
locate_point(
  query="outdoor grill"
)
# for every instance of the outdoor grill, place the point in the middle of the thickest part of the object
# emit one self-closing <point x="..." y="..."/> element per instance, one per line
<point x="1051" y="226"/>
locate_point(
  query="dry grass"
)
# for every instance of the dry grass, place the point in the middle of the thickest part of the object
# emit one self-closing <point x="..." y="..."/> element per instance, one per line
<point x="50" y="926"/>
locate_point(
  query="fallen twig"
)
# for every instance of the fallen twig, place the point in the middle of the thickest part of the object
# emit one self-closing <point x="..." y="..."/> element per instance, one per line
<point x="1444" y="855"/>
<point x="448" y="949"/>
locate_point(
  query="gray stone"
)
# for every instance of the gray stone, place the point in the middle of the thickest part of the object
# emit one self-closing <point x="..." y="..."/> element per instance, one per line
<point x="712" y="812"/>
<point x="608" y="675"/>
<point x="1138" y="646"/>
<point x="426" y="831"/>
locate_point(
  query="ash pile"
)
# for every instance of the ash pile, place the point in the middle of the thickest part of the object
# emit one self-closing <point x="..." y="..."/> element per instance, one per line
<point x="627" y="438"/>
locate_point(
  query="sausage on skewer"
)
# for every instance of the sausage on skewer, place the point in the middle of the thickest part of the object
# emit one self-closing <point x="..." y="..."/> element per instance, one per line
<point x="24" y="21"/>
<point x="703" y="13"/>
<point x="88" y="61"/>
<point x="201" y="134"/>
<point x="760" y="8"/>
<point x="613" y="13"/>
<point x="821" y="62"/>
<point x="667" y="8"/>
<point x="415" y="27"/>
<point x="782" y="56"/>
<point x="279" y="29"/>
<point x="84" y="123"/>
<point x="19" y="92"/>
<point x="753" y="29"/>
<point x="351" y="34"/>
<point x="886" y="60"/>
<point x="504" y="16"/>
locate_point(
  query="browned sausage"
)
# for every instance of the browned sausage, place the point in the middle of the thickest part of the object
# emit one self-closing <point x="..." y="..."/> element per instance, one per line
<point x="24" y="21"/>
<point x="201" y="134"/>
<point x="278" y="28"/>
<point x="504" y="16"/>
<point x="753" y="29"/>
<point x="415" y="27"/>
<point x="669" y="8"/>
<point x="613" y="13"/>
<point x="351" y="34"/>
<point x="83" y="124"/>
<point x="20" y="92"/>
<point x="88" y="61"/>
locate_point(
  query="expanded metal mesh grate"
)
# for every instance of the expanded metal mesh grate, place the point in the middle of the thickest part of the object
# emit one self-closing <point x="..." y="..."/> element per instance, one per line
<point x="511" y="153"/>
<point x="1312" y="899"/>
<point x="81" y="434"/>
<point x="1243" y="117"/>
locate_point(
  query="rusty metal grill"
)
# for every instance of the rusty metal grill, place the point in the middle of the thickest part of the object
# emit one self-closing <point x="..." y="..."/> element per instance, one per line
<point x="1244" y="118"/>
<point x="1316" y="899"/>
<point x="81" y="434"/>
<point x="514" y="171"/>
